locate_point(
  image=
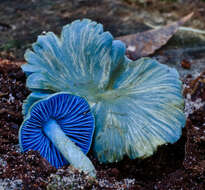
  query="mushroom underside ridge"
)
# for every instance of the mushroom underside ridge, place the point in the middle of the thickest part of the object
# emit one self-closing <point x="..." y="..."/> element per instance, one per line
<point x="62" y="112"/>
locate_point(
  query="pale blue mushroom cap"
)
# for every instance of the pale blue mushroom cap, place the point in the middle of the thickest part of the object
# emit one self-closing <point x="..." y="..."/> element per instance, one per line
<point x="138" y="105"/>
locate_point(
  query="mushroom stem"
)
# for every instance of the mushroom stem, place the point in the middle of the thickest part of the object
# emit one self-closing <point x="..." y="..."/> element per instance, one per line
<point x="68" y="149"/>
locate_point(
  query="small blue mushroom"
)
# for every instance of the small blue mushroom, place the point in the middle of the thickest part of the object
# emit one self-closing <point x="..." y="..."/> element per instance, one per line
<point x="61" y="128"/>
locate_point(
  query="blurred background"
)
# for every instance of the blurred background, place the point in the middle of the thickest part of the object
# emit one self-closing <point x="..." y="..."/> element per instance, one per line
<point x="21" y="21"/>
<point x="178" y="166"/>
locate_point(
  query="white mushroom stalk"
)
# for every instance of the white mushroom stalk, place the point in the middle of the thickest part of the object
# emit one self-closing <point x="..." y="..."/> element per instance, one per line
<point x="67" y="148"/>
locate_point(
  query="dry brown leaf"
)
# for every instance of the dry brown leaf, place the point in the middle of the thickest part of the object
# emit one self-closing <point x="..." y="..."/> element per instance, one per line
<point x="146" y="43"/>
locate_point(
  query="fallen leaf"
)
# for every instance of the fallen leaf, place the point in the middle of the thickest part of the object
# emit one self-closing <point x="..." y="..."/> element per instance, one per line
<point x="145" y="43"/>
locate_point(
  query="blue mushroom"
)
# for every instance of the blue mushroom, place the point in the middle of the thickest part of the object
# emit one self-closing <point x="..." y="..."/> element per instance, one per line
<point x="137" y="105"/>
<point x="61" y="128"/>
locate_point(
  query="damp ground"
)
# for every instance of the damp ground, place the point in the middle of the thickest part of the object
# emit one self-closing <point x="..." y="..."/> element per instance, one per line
<point x="177" y="166"/>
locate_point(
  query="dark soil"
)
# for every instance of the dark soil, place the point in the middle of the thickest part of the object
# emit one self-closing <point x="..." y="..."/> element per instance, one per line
<point x="177" y="166"/>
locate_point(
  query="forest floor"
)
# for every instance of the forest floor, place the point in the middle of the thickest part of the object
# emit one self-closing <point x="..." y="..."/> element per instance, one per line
<point x="173" y="166"/>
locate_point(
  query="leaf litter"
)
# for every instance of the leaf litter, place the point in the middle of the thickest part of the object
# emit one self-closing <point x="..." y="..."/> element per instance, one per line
<point x="176" y="166"/>
<point x="146" y="43"/>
